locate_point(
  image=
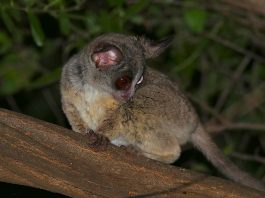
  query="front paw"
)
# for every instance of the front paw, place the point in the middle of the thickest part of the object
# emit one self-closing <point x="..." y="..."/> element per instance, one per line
<point x="97" y="140"/>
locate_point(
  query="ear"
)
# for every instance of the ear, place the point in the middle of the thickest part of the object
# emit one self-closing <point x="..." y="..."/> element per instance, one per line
<point x="153" y="49"/>
<point x="106" y="55"/>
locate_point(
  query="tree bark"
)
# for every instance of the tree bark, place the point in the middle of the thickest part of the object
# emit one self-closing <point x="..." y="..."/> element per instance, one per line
<point x="43" y="155"/>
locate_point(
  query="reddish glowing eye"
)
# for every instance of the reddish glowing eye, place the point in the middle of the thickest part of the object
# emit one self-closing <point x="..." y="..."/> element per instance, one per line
<point x="124" y="82"/>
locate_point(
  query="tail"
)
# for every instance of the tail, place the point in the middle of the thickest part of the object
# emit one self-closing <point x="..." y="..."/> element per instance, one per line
<point x="204" y="143"/>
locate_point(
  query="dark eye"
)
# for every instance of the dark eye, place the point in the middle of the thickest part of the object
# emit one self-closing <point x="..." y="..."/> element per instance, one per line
<point x="124" y="82"/>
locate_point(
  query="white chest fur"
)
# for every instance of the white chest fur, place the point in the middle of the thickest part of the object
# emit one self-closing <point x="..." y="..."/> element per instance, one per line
<point x="92" y="106"/>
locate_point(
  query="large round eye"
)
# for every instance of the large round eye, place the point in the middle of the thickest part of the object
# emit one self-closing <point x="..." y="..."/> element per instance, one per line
<point x="124" y="82"/>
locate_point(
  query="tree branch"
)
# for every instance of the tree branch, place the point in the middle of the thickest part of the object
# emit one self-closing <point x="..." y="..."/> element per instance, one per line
<point x="46" y="156"/>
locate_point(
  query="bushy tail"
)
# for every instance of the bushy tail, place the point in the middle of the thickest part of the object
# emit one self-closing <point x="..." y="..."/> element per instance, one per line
<point x="205" y="144"/>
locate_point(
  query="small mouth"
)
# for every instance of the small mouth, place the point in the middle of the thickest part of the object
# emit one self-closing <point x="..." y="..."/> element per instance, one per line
<point x="125" y="96"/>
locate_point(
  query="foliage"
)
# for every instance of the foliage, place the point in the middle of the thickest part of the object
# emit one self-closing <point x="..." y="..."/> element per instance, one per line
<point x="216" y="56"/>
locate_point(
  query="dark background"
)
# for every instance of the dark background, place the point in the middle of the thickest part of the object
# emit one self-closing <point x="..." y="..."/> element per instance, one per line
<point x="217" y="56"/>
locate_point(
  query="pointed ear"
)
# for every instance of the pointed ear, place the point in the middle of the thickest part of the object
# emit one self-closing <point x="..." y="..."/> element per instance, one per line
<point x="153" y="49"/>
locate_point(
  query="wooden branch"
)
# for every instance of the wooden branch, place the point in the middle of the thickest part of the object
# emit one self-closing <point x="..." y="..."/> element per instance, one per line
<point x="46" y="156"/>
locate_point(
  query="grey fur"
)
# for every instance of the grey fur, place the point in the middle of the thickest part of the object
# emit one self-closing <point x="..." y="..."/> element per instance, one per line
<point x="157" y="120"/>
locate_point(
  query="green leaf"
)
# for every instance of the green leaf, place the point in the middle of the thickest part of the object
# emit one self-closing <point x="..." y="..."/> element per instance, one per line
<point x="9" y="18"/>
<point x="228" y="149"/>
<point x="92" y="23"/>
<point x="115" y="2"/>
<point x="29" y="3"/>
<point x="5" y="42"/>
<point x="16" y="70"/>
<point x="36" y="29"/>
<point x="64" y="23"/>
<point x="8" y="21"/>
<point x="136" y="8"/>
<point x="54" y="3"/>
<point x="195" y="19"/>
<point x="46" y="79"/>
<point x="260" y="69"/>
<point x="11" y="82"/>
<point x="104" y="19"/>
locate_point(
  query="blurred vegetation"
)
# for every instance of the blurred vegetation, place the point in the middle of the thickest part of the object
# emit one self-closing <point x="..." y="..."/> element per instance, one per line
<point x="218" y="57"/>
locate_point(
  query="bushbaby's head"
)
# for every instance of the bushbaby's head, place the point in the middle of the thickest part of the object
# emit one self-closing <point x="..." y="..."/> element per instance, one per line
<point x="114" y="63"/>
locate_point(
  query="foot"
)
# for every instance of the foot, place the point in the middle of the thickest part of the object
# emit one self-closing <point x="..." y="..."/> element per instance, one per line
<point x="97" y="140"/>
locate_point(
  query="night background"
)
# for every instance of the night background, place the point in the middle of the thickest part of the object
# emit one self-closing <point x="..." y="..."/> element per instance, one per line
<point x="217" y="57"/>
